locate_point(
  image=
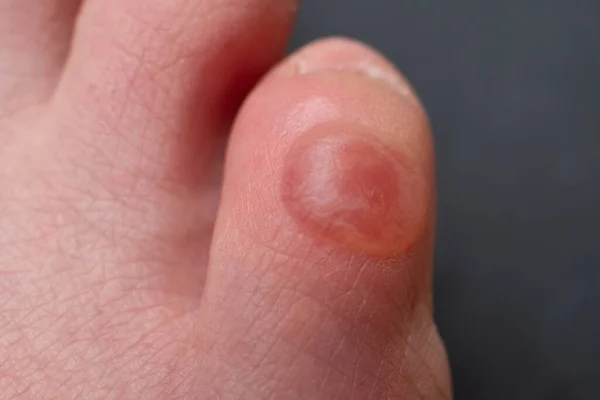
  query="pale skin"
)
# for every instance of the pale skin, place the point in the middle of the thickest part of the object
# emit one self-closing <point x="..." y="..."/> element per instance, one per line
<point x="185" y="215"/>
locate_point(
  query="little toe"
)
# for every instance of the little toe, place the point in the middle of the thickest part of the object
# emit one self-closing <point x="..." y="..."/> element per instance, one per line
<point x="319" y="281"/>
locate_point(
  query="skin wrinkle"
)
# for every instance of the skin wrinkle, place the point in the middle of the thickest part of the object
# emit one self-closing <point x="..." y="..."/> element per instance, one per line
<point x="274" y="347"/>
<point x="132" y="205"/>
<point x="123" y="138"/>
<point x="301" y="349"/>
<point x="300" y="262"/>
<point x="328" y="361"/>
<point x="421" y="356"/>
<point x="262" y="277"/>
<point x="133" y="345"/>
<point x="137" y="183"/>
<point x="339" y="348"/>
<point x="271" y="349"/>
<point x="135" y="170"/>
<point x="257" y="320"/>
<point x="305" y="296"/>
<point x="68" y="300"/>
<point x="211" y="12"/>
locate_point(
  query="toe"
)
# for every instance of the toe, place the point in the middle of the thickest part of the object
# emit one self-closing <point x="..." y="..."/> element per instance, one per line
<point x="35" y="36"/>
<point x="162" y="79"/>
<point x="320" y="275"/>
<point x="138" y="120"/>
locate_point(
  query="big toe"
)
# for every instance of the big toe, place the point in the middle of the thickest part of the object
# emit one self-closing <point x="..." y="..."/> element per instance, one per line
<point x="320" y="276"/>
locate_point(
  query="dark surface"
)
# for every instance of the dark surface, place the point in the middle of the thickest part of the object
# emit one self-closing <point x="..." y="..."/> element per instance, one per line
<point x="513" y="91"/>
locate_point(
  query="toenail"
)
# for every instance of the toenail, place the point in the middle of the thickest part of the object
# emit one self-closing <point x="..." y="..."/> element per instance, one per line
<point x="342" y="185"/>
<point x="342" y="55"/>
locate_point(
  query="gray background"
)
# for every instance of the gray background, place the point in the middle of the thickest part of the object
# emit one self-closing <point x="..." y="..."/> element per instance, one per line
<point x="513" y="91"/>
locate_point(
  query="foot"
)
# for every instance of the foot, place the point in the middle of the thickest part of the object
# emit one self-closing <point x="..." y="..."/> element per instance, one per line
<point x="143" y="257"/>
